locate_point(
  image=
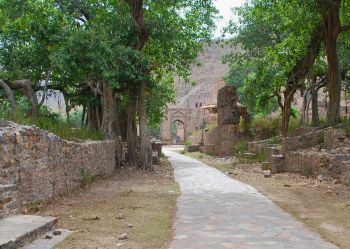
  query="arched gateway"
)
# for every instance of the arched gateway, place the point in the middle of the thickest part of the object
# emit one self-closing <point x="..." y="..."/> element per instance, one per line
<point x="176" y="125"/>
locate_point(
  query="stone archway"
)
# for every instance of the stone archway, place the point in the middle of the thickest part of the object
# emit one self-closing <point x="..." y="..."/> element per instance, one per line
<point x="178" y="133"/>
<point x="178" y="122"/>
<point x="179" y="117"/>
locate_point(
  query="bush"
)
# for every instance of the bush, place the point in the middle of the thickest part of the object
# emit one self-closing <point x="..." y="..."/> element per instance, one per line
<point x="240" y="147"/>
<point x="50" y="121"/>
<point x="187" y="143"/>
<point x="307" y="171"/>
<point x="183" y="152"/>
<point x="86" y="179"/>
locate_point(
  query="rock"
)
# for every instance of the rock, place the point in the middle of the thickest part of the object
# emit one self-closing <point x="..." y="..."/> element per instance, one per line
<point x="48" y="237"/>
<point x="119" y="244"/>
<point x="267" y="173"/>
<point x="120" y="216"/>
<point x="286" y="185"/>
<point x="56" y="233"/>
<point x="130" y="225"/>
<point x="336" y="181"/>
<point x="321" y="178"/>
<point x="123" y="236"/>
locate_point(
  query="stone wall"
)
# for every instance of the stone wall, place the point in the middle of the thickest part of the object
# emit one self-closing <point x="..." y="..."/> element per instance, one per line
<point x="324" y="152"/>
<point x="42" y="165"/>
<point x="303" y="141"/>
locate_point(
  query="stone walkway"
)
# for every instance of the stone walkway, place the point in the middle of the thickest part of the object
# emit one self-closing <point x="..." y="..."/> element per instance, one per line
<point x="217" y="212"/>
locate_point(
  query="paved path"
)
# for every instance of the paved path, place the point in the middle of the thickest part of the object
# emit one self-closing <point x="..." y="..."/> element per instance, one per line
<point x="217" y="212"/>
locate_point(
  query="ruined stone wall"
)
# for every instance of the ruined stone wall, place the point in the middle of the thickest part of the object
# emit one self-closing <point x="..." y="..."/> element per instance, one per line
<point x="320" y="152"/>
<point x="303" y="141"/>
<point x="209" y="139"/>
<point x="42" y="165"/>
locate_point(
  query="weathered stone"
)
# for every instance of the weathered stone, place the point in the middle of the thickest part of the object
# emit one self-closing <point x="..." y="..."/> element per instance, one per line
<point x="193" y="148"/>
<point x="43" y="165"/>
<point x="120" y="216"/>
<point x="56" y="232"/>
<point x="123" y="236"/>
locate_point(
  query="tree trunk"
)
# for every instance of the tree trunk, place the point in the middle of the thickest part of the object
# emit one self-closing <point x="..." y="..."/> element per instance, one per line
<point x="94" y="117"/>
<point x="331" y="30"/>
<point x="109" y="112"/>
<point x="314" y="104"/>
<point x="25" y="86"/>
<point x="303" y="109"/>
<point x="145" y="143"/>
<point x="131" y="128"/>
<point x="136" y="8"/>
<point x="83" y="114"/>
<point x="9" y="95"/>
<point x="288" y="98"/>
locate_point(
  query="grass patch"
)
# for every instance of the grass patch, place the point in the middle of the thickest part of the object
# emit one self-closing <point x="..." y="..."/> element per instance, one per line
<point x="240" y="147"/>
<point x="307" y="171"/>
<point x="86" y="179"/>
<point x="257" y="158"/>
<point x="187" y="143"/>
<point x="275" y="140"/>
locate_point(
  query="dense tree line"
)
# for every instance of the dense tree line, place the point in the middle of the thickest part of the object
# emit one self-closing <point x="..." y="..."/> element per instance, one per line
<point x="115" y="58"/>
<point x="284" y="46"/>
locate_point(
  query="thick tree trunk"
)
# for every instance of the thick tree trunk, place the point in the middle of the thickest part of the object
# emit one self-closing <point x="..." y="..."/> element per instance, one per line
<point x="331" y="30"/>
<point x="25" y="86"/>
<point x="334" y="83"/>
<point x="288" y="98"/>
<point x="9" y="95"/>
<point x="93" y="117"/>
<point x="109" y="112"/>
<point x="314" y="103"/>
<point x="131" y="128"/>
<point x="145" y="143"/>
<point x="136" y="8"/>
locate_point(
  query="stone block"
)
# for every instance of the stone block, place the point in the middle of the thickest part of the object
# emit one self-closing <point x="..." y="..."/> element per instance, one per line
<point x="193" y="148"/>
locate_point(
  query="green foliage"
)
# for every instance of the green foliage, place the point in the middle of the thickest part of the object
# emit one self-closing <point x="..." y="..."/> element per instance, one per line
<point x="49" y="121"/>
<point x="240" y="147"/>
<point x="183" y="152"/>
<point x="275" y="140"/>
<point x="86" y="179"/>
<point x="187" y="143"/>
<point x="261" y="157"/>
<point x="307" y="171"/>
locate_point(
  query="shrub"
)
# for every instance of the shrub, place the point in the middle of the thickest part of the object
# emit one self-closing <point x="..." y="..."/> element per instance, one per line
<point x="50" y="121"/>
<point x="187" y="143"/>
<point x="275" y="140"/>
<point x="86" y="178"/>
<point x="261" y="157"/>
<point x="183" y="152"/>
<point x="307" y="171"/>
<point x="240" y="147"/>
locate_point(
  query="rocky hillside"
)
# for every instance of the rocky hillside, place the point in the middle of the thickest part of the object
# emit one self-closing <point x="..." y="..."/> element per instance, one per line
<point x="204" y="77"/>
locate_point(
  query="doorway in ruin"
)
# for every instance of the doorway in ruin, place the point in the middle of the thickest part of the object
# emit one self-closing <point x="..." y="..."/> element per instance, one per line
<point x="177" y="132"/>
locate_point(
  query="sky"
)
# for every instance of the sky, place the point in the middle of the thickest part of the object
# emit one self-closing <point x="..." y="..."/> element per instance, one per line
<point x="224" y="7"/>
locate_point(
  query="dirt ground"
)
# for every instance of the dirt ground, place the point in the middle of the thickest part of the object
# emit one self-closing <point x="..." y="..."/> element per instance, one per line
<point x="323" y="207"/>
<point x="138" y="203"/>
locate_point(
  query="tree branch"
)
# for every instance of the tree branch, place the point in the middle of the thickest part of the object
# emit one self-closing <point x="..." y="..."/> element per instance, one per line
<point x="345" y="28"/>
<point x="9" y="96"/>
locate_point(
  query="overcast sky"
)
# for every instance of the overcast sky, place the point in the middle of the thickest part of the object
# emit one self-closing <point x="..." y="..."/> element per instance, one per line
<point x="224" y="7"/>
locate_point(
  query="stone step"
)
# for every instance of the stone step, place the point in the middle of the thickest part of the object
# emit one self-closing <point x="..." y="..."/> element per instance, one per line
<point x="49" y="240"/>
<point x="18" y="230"/>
